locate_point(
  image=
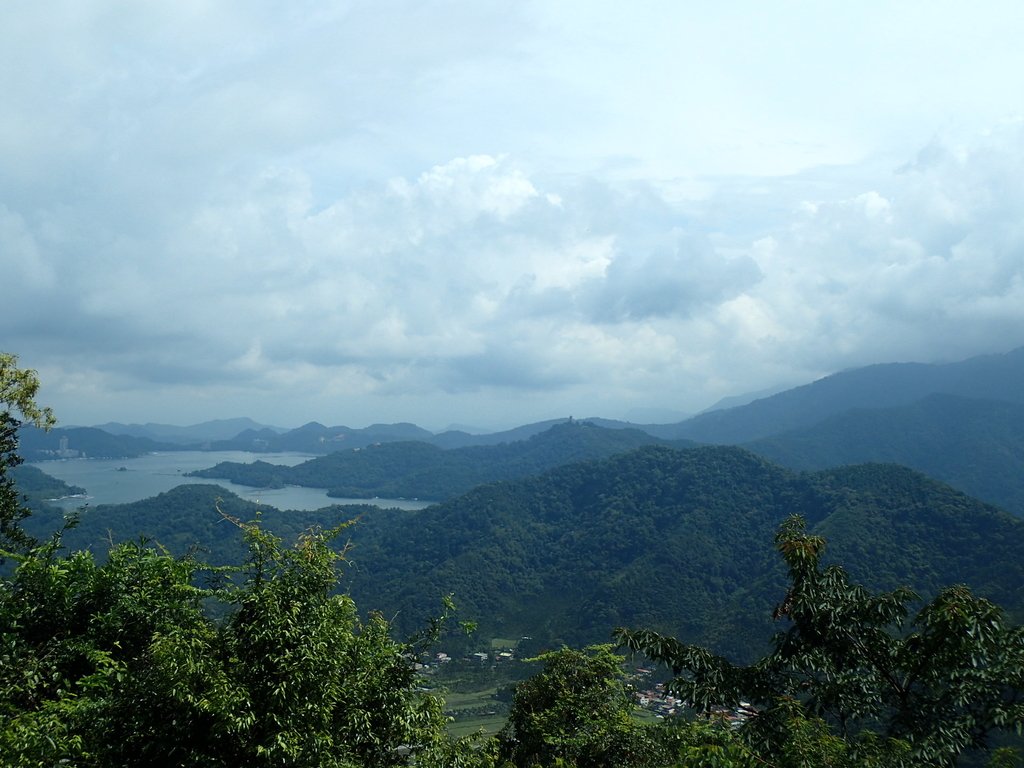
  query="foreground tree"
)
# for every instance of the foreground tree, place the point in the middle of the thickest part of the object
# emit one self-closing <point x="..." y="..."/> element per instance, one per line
<point x="118" y="664"/>
<point x="577" y="712"/>
<point x="18" y="388"/>
<point x="940" y="684"/>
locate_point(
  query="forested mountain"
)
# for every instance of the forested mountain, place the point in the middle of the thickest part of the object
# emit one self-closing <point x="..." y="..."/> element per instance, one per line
<point x="674" y="539"/>
<point x="669" y="539"/>
<point x="976" y="446"/>
<point x="37" y="486"/>
<point x="459" y="439"/>
<point x="422" y="470"/>
<point x="989" y="377"/>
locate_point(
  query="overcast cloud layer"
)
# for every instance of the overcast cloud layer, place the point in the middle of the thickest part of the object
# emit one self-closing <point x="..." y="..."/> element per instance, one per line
<point x="494" y="213"/>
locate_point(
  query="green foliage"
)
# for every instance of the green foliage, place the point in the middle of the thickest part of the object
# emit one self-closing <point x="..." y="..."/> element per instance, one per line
<point x="18" y="388"/>
<point x="576" y="712"/>
<point x="12" y="508"/>
<point x="119" y="664"/>
<point x="75" y="636"/>
<point x="801" y="742"/>
<point x="939" y="684"/>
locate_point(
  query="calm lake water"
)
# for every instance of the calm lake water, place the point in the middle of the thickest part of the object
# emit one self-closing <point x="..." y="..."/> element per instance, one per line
<point x="106" y="482"/>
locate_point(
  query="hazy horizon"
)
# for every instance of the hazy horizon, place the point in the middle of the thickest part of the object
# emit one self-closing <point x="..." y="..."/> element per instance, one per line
<point x="496" y="214"/>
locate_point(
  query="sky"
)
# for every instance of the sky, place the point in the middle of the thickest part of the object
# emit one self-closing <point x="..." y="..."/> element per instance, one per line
<point x="491" y="213"/>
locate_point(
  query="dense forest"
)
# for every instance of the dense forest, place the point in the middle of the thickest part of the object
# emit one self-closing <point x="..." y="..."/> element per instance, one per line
<point x="674" y="539"/>
<point x="642" y="538"/>
<point x="221" y="642"/>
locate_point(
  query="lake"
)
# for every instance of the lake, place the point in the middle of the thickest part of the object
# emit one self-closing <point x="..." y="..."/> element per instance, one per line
<point x="118" y="481"/>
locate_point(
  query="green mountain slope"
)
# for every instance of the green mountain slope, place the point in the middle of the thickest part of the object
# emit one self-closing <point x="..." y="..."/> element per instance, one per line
<point x="976" y="446"/>
<point x="39" y="486"/>
<point x="674" y="540"/>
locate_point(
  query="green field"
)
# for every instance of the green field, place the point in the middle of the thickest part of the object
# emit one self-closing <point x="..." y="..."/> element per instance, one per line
<point x="486" y="725"/>
<point x="469" y="708"/>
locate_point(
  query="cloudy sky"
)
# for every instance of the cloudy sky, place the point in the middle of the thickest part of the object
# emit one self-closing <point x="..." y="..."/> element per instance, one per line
<point x="491" y="213"/>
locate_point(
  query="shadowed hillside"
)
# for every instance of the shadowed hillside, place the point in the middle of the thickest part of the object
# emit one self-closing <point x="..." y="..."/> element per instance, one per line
<point x="976" y="446"/>
<point x="989" y="377"/>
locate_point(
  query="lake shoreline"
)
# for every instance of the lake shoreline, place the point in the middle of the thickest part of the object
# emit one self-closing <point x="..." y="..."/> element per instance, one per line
<point x="126" y="480"/>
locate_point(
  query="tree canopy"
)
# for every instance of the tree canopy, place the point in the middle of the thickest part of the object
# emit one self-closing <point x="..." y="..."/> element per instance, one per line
<point x="18" y="389"/>
<point x="941" y="683"/>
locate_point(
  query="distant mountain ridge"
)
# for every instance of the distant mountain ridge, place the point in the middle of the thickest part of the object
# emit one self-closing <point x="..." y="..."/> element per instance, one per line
<point x="958" y="422"/>
<point x="89" y="442"/>
<point x="217" y="429"/>
<point x="998" y="377"/>
<point x="987" y="377"/>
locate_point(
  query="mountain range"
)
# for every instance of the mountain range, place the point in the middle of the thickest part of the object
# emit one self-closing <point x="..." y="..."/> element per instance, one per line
<point x="411" y="469"/>
<point x="987" y="377"/>
<point x="958" y="422"/>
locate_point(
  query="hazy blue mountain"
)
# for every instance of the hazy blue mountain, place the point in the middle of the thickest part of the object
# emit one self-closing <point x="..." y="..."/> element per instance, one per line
<point x="37" y="445"/>
<point x="317" y="438"/>
<point x="735" y="401"/>
<point x="641" y="415"/>
<point x="460" y="439"/>
<point x="989" y="377"/>
<point x="976" y="446"/>
<point x="218" y="429"/>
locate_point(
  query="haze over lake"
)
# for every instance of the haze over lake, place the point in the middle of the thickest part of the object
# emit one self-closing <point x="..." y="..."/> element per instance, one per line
<point x="119" y="481"/>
